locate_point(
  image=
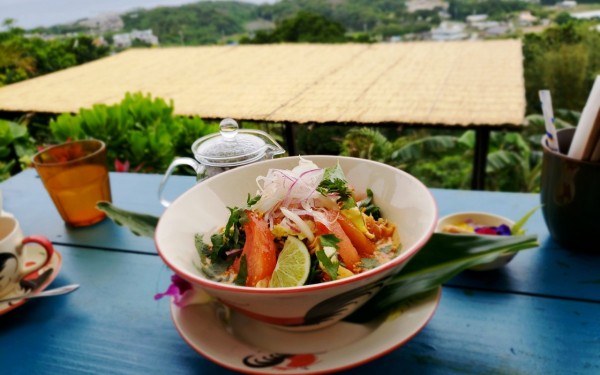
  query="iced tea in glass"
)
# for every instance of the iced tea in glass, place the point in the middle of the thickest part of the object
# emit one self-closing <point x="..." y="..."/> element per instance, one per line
<point x="75" y="175"/>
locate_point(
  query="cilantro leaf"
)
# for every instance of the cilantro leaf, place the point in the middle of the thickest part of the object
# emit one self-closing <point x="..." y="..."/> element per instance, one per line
<point x="368" y="263"/>
<point x="369" y="206"/>
<point x="201" y="247"/>
<point x="329" y="240"/>
<point x="243" y="272"/>
<point x="334" y="182"/>
<point x="330" y="267"/>
<point x="386" y="249"/>
<point x="251" y="201"/>
<point x="211" y="269"/>
<point x="237" y="219"/>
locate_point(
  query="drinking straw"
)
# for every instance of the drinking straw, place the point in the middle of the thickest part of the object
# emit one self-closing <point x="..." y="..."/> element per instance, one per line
<point x="596" y="139"/>
<point x="546" y="101"/>
<point x="585" y="127"/>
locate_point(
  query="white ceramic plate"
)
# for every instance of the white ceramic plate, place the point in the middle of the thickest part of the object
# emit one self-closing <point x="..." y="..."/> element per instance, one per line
<point x="39" y="280"/>
<point x="242" y="344"/>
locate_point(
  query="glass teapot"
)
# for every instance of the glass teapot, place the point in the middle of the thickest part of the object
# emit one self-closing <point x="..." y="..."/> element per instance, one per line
<point x="219" y="152"/>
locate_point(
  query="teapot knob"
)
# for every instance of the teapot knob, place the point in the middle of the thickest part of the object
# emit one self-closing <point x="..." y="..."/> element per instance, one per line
<point x="229" y="128"/>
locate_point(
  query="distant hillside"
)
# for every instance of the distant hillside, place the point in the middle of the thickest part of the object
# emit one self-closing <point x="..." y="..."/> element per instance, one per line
<point x="217" y="22"/>
<point x="199" y="23"/>
<point x="214" y="22"/>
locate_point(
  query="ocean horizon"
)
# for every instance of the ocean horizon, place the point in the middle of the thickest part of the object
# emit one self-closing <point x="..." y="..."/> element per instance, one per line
<point x="29" y="14"/>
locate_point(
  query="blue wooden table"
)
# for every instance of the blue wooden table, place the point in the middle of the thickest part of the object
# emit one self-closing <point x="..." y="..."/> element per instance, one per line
<point x="538" y="315"/>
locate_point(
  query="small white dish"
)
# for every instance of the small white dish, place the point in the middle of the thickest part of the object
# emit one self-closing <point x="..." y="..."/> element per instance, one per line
<point x="239" y="343"/>
<point x="480" y="219"/>
<point x="38" y="281"/>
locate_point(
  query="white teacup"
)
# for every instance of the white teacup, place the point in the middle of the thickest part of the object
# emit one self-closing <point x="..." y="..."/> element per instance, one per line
<point x="13" y="248"/>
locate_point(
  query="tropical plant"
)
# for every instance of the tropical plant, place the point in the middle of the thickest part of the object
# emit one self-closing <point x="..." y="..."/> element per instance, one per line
<point x="304" y="27"/>
<point x="140" y="131"/>
<point x="439" y="160"/>
<point x="23" y="57"/>
<point x="366" y="143"/>
<point x="444" y="160"/>
<point x="15" y="146"/>
<point x="564" y="59"/>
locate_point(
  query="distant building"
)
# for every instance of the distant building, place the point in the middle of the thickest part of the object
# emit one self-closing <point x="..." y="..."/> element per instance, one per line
<point x="586" y="15"/>
<point x="414" y="5"/>
<point x="497" y="31"/>
<point x="259" y="25"/>
<point x="125" y="40"/>
<point x="567" y="4"/>
<point x="527" y="19"/>
<point x="103" y="23"/>
<point x="480" y="22"/>
<point x="449" y="31"/>
<point x="476" y="18"/>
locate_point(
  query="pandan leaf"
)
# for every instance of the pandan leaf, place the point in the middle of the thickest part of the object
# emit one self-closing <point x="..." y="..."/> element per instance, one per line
<point x="139" y="224"/>
<point x="517" y="228"/>
<point x="442" y="257"/>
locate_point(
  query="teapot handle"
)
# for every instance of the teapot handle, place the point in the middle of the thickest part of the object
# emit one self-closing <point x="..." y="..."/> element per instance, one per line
<point x="198" y="168"/>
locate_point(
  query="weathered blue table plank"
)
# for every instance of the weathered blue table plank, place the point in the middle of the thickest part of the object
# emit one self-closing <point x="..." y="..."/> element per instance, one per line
<point x="112" y="325"/>
<point x="26" y="198"/>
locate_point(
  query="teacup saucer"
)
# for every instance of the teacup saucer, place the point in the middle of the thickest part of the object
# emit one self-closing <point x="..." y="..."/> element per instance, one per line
<point x="36" y="282"/>
<point x="243" y="344"/>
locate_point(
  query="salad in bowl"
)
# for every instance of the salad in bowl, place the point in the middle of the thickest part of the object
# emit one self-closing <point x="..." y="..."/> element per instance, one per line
<point x="297" y="242"/>
<point x="305" y="225"/>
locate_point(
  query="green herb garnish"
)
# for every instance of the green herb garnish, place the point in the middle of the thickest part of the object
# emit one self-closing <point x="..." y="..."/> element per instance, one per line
<point x="329" y="266"/>
<point x="251" y="201"/>
<point x="368" y="263"/>
<point x="369" y="207"/>
<point x="243" y="272"/>
<point x="334" y="182"/>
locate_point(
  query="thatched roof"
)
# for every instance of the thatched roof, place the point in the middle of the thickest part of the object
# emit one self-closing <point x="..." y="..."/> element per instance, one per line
<point x="438" y="83"/>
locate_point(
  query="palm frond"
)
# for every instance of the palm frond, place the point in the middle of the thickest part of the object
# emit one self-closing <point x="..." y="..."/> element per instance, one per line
<point x="423" y="148"/>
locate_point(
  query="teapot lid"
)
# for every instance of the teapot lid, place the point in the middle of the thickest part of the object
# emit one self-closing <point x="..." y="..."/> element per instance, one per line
<point x="230" y="147"/>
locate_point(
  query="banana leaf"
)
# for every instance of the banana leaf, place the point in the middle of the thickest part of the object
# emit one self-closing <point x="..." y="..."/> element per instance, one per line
<point x="139" y="224"/>
<point x="442" y="257"/>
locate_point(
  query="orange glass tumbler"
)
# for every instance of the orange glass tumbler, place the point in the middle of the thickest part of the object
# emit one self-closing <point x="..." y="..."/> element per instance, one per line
<point x="75" y="175"/>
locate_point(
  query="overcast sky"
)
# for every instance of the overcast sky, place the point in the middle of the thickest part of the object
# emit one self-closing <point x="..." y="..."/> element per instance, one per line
<point x="33" y="13"/>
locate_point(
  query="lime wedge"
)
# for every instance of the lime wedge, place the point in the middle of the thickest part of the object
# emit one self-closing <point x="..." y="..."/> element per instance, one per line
<point x="293" y="265"/>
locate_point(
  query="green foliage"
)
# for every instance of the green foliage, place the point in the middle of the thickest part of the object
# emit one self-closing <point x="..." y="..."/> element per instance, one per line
<point x="24" y="57"/>
<point x="139" y="130"/>
<point x="564" y="59"/>
<point x="15" y="145"/>
<point x="460" y="9"/>
<point x="304" y="27"/>
<point x="310" y="139"/>
<point x="366" y="143"/>
<point x="193" y="24"/>
<point x="444" y="160"/>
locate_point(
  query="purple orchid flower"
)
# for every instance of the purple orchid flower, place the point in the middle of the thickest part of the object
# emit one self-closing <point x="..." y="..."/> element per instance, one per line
<point x="178" y="289"/>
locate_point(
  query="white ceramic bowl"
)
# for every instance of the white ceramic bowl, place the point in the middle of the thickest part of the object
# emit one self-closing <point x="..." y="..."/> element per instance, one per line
<point x="482" y="219"/>
<point x="403" y="200"/>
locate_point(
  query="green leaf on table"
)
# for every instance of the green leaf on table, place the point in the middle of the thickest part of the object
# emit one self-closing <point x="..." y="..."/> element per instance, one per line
<point x="138" y="223"/>
<point x="442" y="257"/>
<point x="517" y="228"/>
